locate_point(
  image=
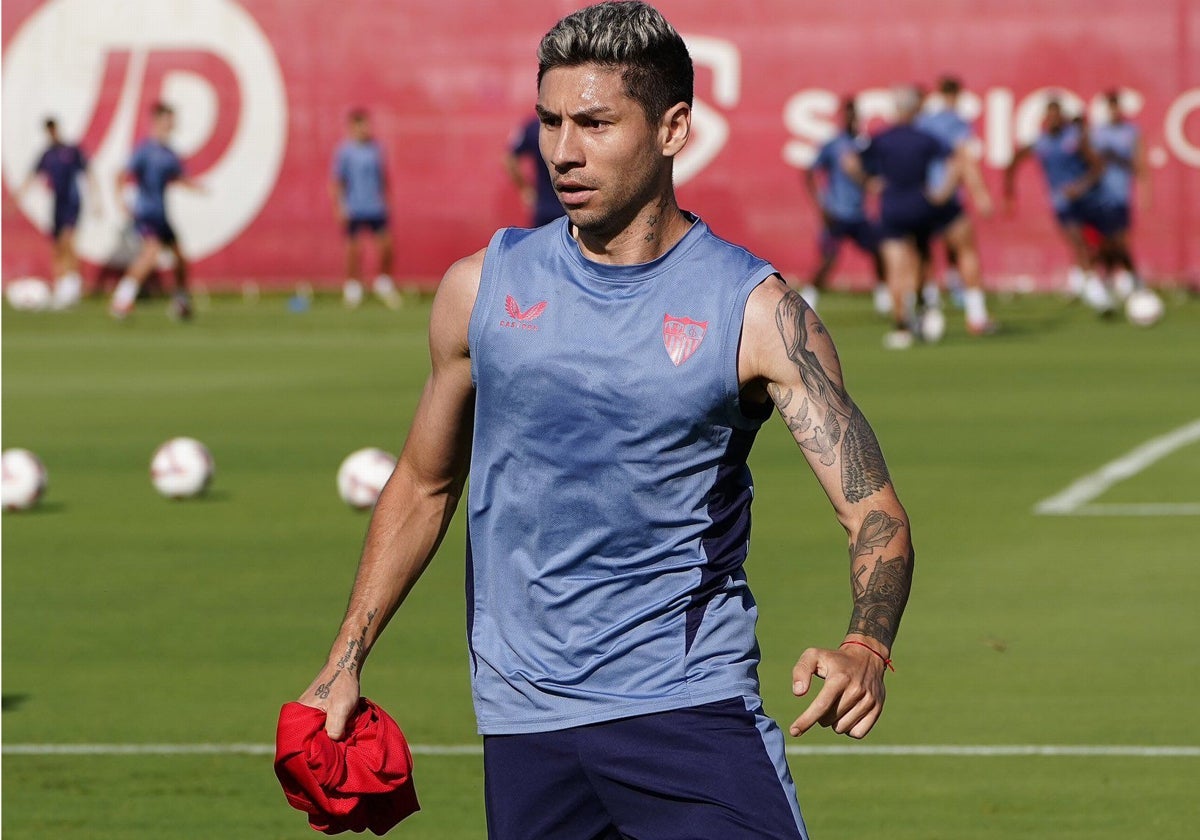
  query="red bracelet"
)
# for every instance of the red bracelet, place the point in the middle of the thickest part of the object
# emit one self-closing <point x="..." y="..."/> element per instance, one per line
<point x="886" y="661"/>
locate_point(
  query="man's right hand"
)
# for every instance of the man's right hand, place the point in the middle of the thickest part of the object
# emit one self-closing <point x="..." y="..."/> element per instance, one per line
<point x="336" y="692"/>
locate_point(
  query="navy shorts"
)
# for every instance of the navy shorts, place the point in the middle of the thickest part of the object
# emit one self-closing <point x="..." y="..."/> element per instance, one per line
<point x="155" y="227"/>
<point x="375" y="224"/>
<point x="862" y="232"/>
<point x="710" y="772"/>
<point x="917" y="219"/>
<point x="66" y="216"/>
<point x="946" y="214"/>
<point x="1105" y="217"/>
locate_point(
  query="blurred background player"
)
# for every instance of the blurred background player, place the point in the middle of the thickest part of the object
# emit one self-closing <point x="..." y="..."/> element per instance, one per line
<point x="1073" y="173"/>
<point x="60" y="165"/>
<point x="153" y="167"/>
<point x="360" y="194"/>
<point x="843" y="214"/>
<point x="901" y="157"/>
<point x="958" y="233"/>
<point x="537" y="192"/>
<point x="1118" y="144"/>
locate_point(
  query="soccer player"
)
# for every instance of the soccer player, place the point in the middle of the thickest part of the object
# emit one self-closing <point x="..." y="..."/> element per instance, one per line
<point x="360" y="188"/>
<point x="955" y="226"/>
<point x="60" y="165"/>
<point x="901" y="157"/>
<point x="841" y="205"/>
<point x="152" y="168"/>
<point x="1118" y="144"/>
<point x="1073" y="173"/>
<point x="537" y="194"/>
<point x="602" y="379"/>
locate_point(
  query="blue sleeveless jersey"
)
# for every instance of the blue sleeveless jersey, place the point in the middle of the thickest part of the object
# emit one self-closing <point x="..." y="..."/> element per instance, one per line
<point x="1117" y="144"/>
<point x="609" y="501"/>
<point x="1062" y="161"/>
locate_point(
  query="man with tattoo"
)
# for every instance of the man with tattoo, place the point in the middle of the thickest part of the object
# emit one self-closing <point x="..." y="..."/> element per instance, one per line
<point x="601" y="379"/>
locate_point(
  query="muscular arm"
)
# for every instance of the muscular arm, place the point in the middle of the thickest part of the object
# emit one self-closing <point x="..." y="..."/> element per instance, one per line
<point x="417" y="503"/>
<point x="789" y="355"/>
<point x="972" y="178"/>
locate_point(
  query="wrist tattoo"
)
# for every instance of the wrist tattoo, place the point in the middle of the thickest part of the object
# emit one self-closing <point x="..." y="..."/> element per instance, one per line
<point x="351" y="660"/>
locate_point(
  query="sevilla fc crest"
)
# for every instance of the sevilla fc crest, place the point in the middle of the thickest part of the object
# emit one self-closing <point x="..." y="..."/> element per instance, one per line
<point x="682" y="337"/>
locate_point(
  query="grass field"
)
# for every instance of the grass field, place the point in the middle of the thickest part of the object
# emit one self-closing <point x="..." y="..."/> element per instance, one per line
<point x="128" y="619"/>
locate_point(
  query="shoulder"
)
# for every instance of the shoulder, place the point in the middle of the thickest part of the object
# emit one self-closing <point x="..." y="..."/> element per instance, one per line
<point x="455" y="297"/>
<point x="760" y="331"/>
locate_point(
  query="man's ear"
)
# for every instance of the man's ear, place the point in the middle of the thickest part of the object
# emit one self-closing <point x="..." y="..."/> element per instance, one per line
<point x="675" y="128"/>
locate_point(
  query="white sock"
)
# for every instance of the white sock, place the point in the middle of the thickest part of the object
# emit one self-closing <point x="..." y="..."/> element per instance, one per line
<point x="1076" y="280"/>
<point x="352" y="293"/>
<point x="810" y="295"/>
<point x="1095" y="294"/>
<point x="68" y="290"/>
<point x="931" y="295"/>
<point x="1125" y="283"/>
<point x="883" y="300"/>
<point x="975" y="304"/>
<point x="125" y="293"/>
<point x="953" y="278"/>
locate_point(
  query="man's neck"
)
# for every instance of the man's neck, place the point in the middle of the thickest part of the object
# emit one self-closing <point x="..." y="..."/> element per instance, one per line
<point x="655" y="229"/>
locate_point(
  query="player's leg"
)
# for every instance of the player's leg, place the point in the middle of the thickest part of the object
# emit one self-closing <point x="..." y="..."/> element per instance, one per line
<point x="352" y="290"/>
<point x="68" y="283"/>
<point x="126" y="292"/>
<point x="711" y="772"/>
<point x="1125" y="278"/>
<point x="960" y="238"/>
<point x="829" y="242"/>
<point x="867" y="236"/>
<point x="1094" y="293"/>
<point x="902" y="264"/>
<point x="535" y="786"/>
<point x="384" y="286"/>
<point x="181" y="302"/>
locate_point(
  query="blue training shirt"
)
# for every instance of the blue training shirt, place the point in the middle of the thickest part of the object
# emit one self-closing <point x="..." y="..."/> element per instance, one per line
<point x="62" y="164"/>
<point x="947" y="126"/>
<point x="843" y="196"/>
<point x="1062" y="161"/>
<point x="359" y="168"/>
<point x="153" y="166"/>
<point x="1116" y="143"/>
<point x="609" y="502"/>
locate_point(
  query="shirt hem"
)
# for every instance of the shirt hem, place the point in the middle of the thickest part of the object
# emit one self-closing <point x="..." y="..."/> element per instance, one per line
<point x="608" y="713"/>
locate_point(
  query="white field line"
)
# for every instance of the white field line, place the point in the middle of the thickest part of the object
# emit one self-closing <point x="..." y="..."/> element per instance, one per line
<point x="1074" y="500"/>
<point x="985" y="750"/>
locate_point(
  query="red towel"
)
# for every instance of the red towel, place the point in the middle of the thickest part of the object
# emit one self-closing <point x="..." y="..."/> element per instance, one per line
<point x="363" y="781"/>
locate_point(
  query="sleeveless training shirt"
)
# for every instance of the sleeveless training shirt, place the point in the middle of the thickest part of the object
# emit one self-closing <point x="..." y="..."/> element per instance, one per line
<point x="609" y="502"/>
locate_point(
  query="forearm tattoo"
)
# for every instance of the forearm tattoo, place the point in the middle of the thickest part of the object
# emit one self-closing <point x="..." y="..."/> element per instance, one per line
<point x="351" y="660"/>
<point x="827" y="422"/>
<point x="880" y="586"/>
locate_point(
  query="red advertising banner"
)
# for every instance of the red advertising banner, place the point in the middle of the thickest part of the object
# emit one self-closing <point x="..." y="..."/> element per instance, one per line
<point x="262" y="88"/>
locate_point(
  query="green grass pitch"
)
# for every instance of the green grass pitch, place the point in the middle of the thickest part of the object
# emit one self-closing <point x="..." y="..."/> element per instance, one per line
<point x="128" y="619"/>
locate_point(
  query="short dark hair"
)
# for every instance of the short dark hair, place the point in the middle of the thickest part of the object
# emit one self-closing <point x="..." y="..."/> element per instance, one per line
<point x="949" y="85"/>
<point x="160" y="108"/>
<point x="50" y="123"/>
<point x="358" y="115"/>
<point x="629" y="36"/>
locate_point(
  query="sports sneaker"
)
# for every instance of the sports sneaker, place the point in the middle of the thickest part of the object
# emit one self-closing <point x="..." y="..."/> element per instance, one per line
<point x="898" y="340"/>
<point x="385" y="290"/>
<point x="180" y="308"/>
<point x="352" y="294"/>
<point x="985" y="327"/>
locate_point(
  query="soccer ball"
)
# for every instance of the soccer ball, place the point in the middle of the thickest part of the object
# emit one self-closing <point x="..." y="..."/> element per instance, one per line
<point x="24" y="479"/>
<point x="181" y="468"/>
<point x="29" y="293"/>
<point x="361" y="476"/>
<point x="1144" y="308"/>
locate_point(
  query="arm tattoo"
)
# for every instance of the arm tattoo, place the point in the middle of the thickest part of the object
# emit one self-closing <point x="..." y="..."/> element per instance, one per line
<point x="351" y="660"/>
<point x="840" y="430"/>
<point x="880" y="590"/>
